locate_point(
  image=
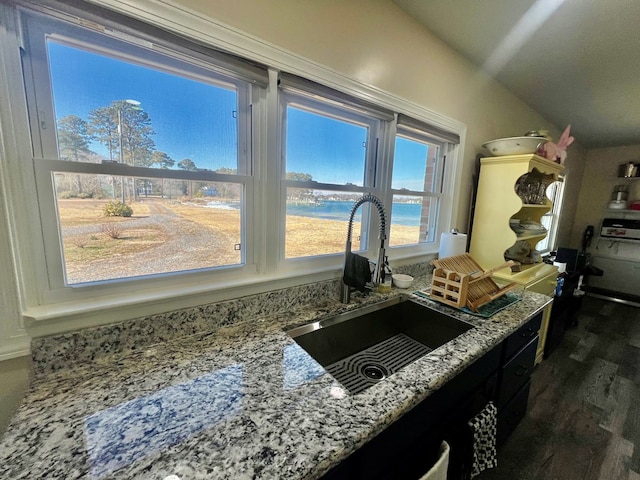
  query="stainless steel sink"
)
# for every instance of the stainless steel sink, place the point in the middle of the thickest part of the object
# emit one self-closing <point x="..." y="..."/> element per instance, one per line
<point x="363" y="347"/>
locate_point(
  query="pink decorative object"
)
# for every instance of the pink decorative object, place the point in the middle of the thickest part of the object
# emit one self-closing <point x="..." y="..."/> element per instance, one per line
<point x="557" y="152"/>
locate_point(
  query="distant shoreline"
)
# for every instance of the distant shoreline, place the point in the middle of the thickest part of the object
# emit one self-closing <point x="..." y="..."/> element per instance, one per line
<point x="404" y="213"/>
<point x="210" y="234"/>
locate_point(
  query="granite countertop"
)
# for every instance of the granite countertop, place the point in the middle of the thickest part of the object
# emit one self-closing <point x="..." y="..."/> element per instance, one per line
<point x="241" y="402"/>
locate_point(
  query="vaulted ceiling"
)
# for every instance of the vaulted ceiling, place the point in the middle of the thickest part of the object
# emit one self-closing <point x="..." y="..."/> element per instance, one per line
<point x="574" y="61"/>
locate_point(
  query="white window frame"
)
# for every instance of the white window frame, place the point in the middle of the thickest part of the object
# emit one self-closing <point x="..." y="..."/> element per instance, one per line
<point x="39" y="98"/>
<point x="325" y="107"/>
<point x="548" y="244"/>
<point x="437" y="193"/>
<point x="378" y="175"/>
<point x="76" y="308"/>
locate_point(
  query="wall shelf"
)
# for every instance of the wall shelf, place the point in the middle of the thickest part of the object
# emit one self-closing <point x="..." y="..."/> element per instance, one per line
<point x="622" y="210"/>
<point x="491" y="235"/>
<point x="532" y="236"/>
<point x="497" y="203"/>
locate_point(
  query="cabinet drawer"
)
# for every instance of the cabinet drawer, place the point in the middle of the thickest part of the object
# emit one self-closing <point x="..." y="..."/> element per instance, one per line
<point x="517" y="372"/>
<point x="522" y="336"/>
<point x="512" y="413"/>
<point x="546" y="285"/>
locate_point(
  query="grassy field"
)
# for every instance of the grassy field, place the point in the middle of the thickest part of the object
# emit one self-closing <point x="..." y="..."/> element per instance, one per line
<point x="90" y="238"/>
<point x="114" y="238"/>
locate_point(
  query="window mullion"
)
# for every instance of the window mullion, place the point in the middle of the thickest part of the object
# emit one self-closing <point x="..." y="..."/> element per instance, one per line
<point x="128" y="171"/>
<point x="269" y="221"/>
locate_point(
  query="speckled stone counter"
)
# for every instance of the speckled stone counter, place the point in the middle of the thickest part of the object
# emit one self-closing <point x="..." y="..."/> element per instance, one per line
<point x="243" y="401"/>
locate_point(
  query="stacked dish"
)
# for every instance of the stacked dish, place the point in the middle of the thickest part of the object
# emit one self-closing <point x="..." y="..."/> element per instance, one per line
<point x="532" y="228"/>
<point x="514" y="145"/>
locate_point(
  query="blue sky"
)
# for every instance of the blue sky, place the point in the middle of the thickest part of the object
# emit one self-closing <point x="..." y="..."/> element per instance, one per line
<point x="194" y="120"/>
<point x="191" y="119"/>
<point x="332" y="150"/>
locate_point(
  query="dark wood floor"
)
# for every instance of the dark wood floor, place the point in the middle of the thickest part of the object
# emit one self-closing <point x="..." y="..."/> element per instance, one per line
<point x="583" y="420"/>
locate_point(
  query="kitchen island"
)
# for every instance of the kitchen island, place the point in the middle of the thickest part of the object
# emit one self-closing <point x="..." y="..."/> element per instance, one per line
<point x="243" y="401"/>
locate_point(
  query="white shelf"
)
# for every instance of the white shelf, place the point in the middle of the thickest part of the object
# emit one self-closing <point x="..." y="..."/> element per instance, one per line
<point x="531" y="235"/>
<point x="529" y="273"/>
<point x="617" y="239"/>
<point x="497" y="202"/>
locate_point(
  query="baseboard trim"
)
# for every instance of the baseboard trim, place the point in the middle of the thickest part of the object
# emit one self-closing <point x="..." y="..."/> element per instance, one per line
<point x="21" y="348"/>
<point x="617" y="297"/>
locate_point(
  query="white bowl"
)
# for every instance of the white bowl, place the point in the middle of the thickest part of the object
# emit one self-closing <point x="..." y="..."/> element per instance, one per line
<point x="402" y="281"/>
<point x="618" y="205"/>
<point x="514" y="145"/>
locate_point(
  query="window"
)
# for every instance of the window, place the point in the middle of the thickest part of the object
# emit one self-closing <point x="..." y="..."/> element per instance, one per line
<point x="330" y="153"/>
<point x="550" y="219"/>
<point x="334" y="149"/>
<point x="163" y="225"/>
<point x="417" y="175"/>
<point x="148" y="168"/>
<point x="160" y="162"/>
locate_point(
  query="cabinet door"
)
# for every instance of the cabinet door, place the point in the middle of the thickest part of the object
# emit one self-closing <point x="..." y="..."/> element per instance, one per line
<point x="516" y="372"/>
<point x="521" y="337"/>
<point x="546" y="286"/>
<point x="512" y="413"/>
<point x="497" y="202"/>
<point x="543" y="333"/>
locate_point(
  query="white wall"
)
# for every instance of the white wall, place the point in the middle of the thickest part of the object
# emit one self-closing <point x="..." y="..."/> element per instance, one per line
<point x="369" y="42"/>
<point x="14" y="343"/>
<point x="600" y="178"/>
<point x="377" y="44"/>
<point x="574" y="173"/>
<point x="14" y="372"/>
<point x="14" y="376"/>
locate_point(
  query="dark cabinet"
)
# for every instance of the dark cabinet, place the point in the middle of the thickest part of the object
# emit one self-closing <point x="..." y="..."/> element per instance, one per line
<point x="521" y="337"/>
<point x="511" y="414"/>
<point x="563" y="313"/>
<point x="519" y="355"/>
<point x="516" y="372"/>
<point x="408" y="447"/>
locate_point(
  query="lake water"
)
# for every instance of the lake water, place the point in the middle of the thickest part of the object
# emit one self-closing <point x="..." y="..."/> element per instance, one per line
<point x="407" y="214"/>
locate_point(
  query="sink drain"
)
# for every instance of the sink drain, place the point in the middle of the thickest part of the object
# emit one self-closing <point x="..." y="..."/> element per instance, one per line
<point x="374" y="372"/>
<point x="368" y="367"/>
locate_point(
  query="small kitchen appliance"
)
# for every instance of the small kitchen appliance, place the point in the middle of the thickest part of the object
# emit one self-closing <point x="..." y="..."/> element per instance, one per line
<point x="620" y="228"/>
<point x="619" y="197"/>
